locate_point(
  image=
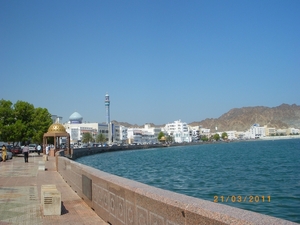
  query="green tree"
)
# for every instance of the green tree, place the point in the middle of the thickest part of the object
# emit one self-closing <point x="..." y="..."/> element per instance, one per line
<point x="204" y="138"/>
<point x="6" y="120"/>
<point x="169" y="138"/>
<point x="216" y="137"/>
<point x="41" y="121"/>
<point x="22" y="127"/>
<point x="22" y="122"/>
<point x="87" y="137"/>
<point x="160" y="135"/>
<point x="224" y="136"/>
<point x="101" y="138"/>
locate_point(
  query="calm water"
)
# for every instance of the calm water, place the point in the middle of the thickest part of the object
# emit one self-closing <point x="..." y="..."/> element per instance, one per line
<point x="257" y="168"/>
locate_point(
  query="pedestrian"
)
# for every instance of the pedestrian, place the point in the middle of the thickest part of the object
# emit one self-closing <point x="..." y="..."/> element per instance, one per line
<point x="25" y="152"/>
<point x="4" y="153"/>
<point x="47" y="151"/>
<point x="39" y="148"/>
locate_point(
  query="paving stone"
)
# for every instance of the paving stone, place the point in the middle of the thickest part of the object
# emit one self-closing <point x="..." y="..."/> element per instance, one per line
<point x="20" y="195"/>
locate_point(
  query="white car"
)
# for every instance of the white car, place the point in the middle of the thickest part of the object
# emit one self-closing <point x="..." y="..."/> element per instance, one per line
<point x="32" y="147"/>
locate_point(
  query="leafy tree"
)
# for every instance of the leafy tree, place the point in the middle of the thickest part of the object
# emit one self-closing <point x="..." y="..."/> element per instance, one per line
<point x="160" y="135"/>
<point x="22" y="127"/>
<point x="169" y="138"/>
<point x="224" y="136"/>
<point x="100" y="138"/>
<point x="87" y="137"/>
<point x="22" y="122"/>
<point x="216" y="137"/>
<point x="6" y="120"/>
<point x="41" y="121"/>
<point x="204" y="138"/>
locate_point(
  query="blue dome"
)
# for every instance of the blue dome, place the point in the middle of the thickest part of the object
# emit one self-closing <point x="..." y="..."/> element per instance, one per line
<point x="75" y="118"/>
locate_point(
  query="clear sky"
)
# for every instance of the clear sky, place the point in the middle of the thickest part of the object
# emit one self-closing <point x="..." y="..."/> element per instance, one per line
<point x="159" y="60"/>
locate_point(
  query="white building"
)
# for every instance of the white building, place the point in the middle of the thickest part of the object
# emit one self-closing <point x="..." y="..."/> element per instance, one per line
<point x="205" y="131"/>
<point x="231" y="135"/>
<point x="76" y="129"/>
<point x="292" y="131"/>
<point x="194" y="132"/>
<point x="256" y="131"/>
<point x="134" y="135"/>
<point x="179" y="131"/>
<point x="281" y="132"/>
<point x="123" y="134"/>
<point x="146" y="135"/>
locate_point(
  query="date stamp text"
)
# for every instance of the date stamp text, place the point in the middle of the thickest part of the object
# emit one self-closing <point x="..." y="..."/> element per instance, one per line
<point x="239" y="198"/>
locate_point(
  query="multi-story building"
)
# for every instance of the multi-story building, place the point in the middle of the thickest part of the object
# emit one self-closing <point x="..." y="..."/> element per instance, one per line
<point x="205" y="131"/>
<point x="123" y="134"/>
<point x="146" y="135"/>
<point x="179" y="131"/>
<point x="194" y="132"/>
<point x="256" y="131"/>
<point x="270" y="131"/>
<point x="293" y="131"/>
<point x="231" y="134"/>
<point x="281" y="132"/>
<point x="76" y="129"/>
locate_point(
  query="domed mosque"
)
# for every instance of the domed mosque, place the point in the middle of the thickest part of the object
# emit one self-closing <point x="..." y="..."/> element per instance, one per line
<point x="75" y="118"/>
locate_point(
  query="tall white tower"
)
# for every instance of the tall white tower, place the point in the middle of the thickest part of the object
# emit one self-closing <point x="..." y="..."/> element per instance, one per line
<point x="107" y="103"/>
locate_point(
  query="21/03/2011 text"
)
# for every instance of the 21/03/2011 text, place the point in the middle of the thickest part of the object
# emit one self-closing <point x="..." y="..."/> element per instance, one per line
<point x="239" y="198"/>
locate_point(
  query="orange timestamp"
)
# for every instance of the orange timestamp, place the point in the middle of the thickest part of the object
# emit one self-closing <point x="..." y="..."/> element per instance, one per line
<point x="239" y="198"/>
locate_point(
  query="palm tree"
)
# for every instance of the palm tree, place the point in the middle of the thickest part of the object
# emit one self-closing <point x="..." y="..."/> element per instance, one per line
<point x="101" y="138"/>
<point x="87" y="137"/>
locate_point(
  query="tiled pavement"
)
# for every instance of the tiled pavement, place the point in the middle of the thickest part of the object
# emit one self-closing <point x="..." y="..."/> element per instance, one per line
<point x="20" y="195"/>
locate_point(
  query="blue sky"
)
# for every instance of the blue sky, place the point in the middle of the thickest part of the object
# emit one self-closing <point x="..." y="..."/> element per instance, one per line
<point x="159" y="61"/>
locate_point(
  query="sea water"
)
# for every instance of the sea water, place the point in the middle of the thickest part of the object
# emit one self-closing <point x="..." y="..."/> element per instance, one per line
<point x="261" y="176"/>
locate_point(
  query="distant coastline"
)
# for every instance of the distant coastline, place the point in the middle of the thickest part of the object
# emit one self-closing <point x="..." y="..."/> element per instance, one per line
<point x="280" y="137"/>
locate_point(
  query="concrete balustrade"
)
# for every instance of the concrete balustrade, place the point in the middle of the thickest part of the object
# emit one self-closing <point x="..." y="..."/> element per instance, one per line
<point x="120" y="201"/>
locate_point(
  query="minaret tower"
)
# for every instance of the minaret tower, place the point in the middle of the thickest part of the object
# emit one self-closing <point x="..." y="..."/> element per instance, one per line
<point x="107" y="103"/>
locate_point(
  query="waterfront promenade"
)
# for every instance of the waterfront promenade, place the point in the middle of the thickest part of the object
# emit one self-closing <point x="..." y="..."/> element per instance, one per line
<point x="20" y="195"/>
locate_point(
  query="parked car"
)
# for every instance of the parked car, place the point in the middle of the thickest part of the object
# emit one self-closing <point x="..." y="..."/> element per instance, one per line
<point x="9" y="154"/>
<point x="16" y="150"/>
<point x="32" y="147"/>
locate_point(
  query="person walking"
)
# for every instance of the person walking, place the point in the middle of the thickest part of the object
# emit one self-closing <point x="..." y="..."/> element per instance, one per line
<point x="4" y="153"/>
<point x="26" y="152"/>
<point x="39" y="147"/>
<point x="47" y="152"/>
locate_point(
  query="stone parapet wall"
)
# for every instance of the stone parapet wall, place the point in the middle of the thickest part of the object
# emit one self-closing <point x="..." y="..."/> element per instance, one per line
<point x="80" y="152"/>
<point x="121" y="201"/>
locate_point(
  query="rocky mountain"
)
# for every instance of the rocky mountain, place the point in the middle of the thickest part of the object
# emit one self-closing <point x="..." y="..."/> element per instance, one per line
<point x="125" y="124"/>
<point x="241" y="119"/>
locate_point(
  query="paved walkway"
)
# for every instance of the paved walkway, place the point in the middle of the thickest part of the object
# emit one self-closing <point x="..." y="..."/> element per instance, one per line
<point x="20" y="195"/>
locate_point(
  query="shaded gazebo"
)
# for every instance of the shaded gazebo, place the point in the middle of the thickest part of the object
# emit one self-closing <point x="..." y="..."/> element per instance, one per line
<point x="162" y="139"/>
<point x="57" y="131"/>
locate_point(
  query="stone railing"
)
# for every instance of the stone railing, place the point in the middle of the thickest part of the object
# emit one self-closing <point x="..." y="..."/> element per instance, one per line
<point x="79" y="152"/>
<point x="121" y="201"/>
